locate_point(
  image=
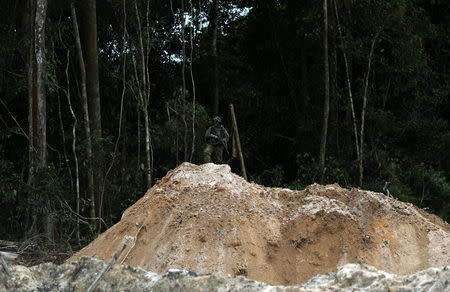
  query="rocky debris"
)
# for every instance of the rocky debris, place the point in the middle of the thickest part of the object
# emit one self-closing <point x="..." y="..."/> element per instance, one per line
<point x="78" y="276"/>
<point x="363" y="277"/>
<point x="206" y="219"/>
<point x="75" y="277"/>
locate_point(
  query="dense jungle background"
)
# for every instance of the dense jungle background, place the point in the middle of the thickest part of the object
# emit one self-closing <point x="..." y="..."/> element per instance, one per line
<point x="99" y="99"/>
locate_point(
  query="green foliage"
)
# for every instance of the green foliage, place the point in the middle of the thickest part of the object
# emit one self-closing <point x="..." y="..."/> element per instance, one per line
<point x="49" y="195"/>
<point x="11" y="200"/>
<point x="402" y="191"/>
<point x="419" y="184"/>
<point x="430" y="187"/>
<point x="171" y="135"/>
<point x="271" y="178"/>
<point x="335" y="172"/>
<point x="306" y="171"/>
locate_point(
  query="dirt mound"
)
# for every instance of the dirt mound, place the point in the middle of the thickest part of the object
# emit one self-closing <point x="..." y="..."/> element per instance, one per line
<point x="209" y="220"/>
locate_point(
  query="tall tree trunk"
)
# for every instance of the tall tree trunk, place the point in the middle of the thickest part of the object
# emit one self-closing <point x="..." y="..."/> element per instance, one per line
<point x="347" y="74"/>
<point x="75" y="157"/>
<point x="84" y="101"/>
<point x="183" y="78"/>
<point x="88" y="36"/>
<point x="214" y="22"/>
<point x="32" y="122"/>
<point x="363" y="111"/>
<point x="41" y="103"/>
<point x="90" y="54"/>
<point x="148" y="92"/>
<point x="41" y="11"/>
<point x="41" y="112"/>
<point x="326" y="106"/>
<point x="124" y="62"/>
<point x="192" y="80"/>
<point x="144" y="94"/>
<point x="143" y="82"/>
<point x="32" y="107"/>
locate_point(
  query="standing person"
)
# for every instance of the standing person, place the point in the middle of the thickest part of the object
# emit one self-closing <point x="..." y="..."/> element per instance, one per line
<point x="216" y="140"/>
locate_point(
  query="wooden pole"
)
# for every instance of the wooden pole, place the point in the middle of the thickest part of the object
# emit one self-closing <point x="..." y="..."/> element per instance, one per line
<point x="238" y="141"/>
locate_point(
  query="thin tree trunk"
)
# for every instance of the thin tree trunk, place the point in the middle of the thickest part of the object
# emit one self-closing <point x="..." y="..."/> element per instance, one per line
<point x="363" y="111"/>
<point x="326" y="106"/>
<point x="147" y="70"/>
<point x="147" y="147"/>
<point x="144" y="99"/>
<point x="140" y="107"/>
<point x="192" y="80"/>
<point x="32" y="130"/>
<point x="74" y="141"/>
<point x="63" y="136"/>
<point x="90" y="53"/>
<point x="141" y="49"/>
<point x="41" y="114"/>
<point x="349" y="86"/>
<point x="124" y="62"/>
<point x="41" y="11"/>
<point x="183" y="79"/>
<point x="335" y="109"/>
<point x="75" y="157"/>
<point x="31" y="97"/>
<point x="139" y="137"/>
<point x="214" y="22"/>
<point x="147" y="56"/>
<point x="86" y="112"/>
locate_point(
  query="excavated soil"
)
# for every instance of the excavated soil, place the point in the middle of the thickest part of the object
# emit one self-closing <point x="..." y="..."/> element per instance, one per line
<point x="209" y="220"/>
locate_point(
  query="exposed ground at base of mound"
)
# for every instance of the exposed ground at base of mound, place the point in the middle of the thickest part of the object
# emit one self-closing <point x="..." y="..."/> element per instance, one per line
<point x="80" y="276"/>
<point x="209" y="220"/>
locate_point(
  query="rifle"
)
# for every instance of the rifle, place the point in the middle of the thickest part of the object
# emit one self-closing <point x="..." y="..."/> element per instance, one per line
<point x="223" y="144"/>
<point x="219" y="137"/>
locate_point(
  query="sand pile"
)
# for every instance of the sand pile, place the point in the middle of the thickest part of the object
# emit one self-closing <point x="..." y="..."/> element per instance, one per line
<point x="209" y="220"/>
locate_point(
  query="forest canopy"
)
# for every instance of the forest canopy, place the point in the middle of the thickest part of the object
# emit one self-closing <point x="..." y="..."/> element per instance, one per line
<point x="99" y="99"/>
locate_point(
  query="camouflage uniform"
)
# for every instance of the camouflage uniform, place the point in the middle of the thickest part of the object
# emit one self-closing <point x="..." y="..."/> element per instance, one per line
<point x="214" y="147"/>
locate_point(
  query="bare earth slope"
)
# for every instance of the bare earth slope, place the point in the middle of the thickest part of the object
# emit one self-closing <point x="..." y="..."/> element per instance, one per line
<point x="209" y="220"/>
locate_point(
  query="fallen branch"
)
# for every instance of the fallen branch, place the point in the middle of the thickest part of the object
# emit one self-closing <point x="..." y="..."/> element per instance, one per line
<point x="5" y="244"/>
<point x="82" y="217"/>
<point x="110" y="264"/>
<point x="10" y="256"/>
<point x="17" y="123"/>
<point x="5" y="266"/>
